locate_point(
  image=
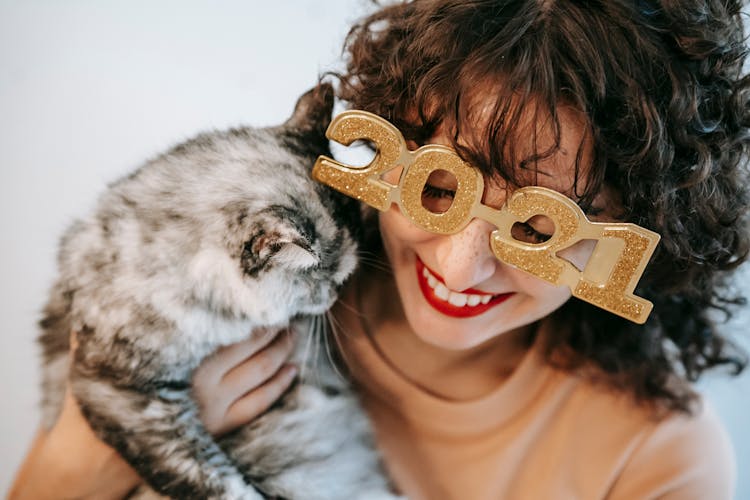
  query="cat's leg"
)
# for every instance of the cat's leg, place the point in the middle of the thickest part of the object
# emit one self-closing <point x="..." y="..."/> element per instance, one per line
<point x="157" y="430"/>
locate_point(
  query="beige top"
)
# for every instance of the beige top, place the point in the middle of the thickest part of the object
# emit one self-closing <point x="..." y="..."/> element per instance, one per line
<point x="543" y="434"/>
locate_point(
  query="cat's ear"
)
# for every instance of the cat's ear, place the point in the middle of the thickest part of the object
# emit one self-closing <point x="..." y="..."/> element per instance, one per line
<point x="312" y="114"/>
<point x="296" y="255"/>
<point x="266" y="249"/>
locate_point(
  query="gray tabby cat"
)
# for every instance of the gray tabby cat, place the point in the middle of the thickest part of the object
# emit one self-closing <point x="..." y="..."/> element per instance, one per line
<point x="222" y="235"/>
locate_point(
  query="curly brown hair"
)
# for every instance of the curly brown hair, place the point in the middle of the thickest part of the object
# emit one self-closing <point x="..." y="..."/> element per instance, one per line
<point x="662" y="87"/>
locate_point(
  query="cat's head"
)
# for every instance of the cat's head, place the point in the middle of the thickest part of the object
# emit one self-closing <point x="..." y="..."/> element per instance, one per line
<point x="305" y="245"/>
<point x="292" y="237"/>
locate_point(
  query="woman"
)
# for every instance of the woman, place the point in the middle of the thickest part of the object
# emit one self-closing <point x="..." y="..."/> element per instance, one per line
<point x="483" y="381"/>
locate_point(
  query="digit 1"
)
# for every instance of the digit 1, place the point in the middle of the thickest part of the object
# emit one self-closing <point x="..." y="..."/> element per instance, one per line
<point x="362" y="183"/>
<point x="616" y="294"/>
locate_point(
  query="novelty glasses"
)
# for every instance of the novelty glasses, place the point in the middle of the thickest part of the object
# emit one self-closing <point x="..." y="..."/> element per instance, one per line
<point x="611" y="273"/>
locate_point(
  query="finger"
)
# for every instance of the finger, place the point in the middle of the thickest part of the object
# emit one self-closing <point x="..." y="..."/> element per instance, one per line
<point x="254" y="403"/>
<point x="213" y="393"/>
<point x="225" y="358"/>
<point x="259" y="368"/>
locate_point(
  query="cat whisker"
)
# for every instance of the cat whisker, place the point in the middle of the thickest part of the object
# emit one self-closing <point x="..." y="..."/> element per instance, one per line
<point x="351" y="308"/>
<point x="305" y="358"/>
<point x="317" y="326"/>
<point x="371" y="261"/>
<point x="335" y="326"/>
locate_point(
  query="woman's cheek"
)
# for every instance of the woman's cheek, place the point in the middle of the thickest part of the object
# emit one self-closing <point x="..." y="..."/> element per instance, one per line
<point x="395" y="227"/>
<point x="548" y="295"/>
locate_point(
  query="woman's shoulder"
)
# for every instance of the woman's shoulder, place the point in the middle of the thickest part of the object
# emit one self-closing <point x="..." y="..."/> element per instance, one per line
<point x="661" y="454"/>
<point x="681" y="456"/>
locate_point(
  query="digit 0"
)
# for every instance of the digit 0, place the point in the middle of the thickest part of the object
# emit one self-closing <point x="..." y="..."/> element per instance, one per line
<point x="428" y="159"/>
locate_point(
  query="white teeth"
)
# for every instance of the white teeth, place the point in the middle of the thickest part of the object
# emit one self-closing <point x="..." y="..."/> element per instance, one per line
<point x="457" y="299"/>
<point x="442" y="291"/>
<point x="431" y="280"/>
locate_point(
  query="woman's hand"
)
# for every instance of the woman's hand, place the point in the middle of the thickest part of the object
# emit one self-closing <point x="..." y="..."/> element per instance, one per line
<point x="241" y="381"/>
<point x="233" y="386"/>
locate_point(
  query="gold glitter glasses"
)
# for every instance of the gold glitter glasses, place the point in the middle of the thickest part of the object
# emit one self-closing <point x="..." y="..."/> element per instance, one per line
<point x="609" y="277"/>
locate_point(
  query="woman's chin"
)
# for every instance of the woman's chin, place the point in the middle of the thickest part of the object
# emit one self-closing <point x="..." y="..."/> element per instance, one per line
<point x="450" y="341"/>
<point x="436" y="329"/>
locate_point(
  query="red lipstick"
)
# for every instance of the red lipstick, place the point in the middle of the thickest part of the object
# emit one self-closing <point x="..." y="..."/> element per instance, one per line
<point x="446" y="307"/>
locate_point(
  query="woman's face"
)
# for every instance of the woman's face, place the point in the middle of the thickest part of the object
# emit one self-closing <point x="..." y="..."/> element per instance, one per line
<point x="454" y="292"/>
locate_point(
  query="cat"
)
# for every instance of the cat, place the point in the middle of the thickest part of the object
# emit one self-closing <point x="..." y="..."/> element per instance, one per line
<point x="220" y="236"/>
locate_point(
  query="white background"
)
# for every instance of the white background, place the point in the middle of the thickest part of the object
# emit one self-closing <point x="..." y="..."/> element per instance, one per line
<point x="91" y="88"/>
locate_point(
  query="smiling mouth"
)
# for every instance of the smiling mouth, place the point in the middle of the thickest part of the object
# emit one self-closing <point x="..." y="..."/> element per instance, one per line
<point x="455" y="304"/>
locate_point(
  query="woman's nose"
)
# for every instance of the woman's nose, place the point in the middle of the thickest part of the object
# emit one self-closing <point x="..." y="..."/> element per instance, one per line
<point x="465" y="259"/>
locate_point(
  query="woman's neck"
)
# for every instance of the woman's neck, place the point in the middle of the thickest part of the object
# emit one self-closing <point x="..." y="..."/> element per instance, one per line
<point x="458" y="375"/>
